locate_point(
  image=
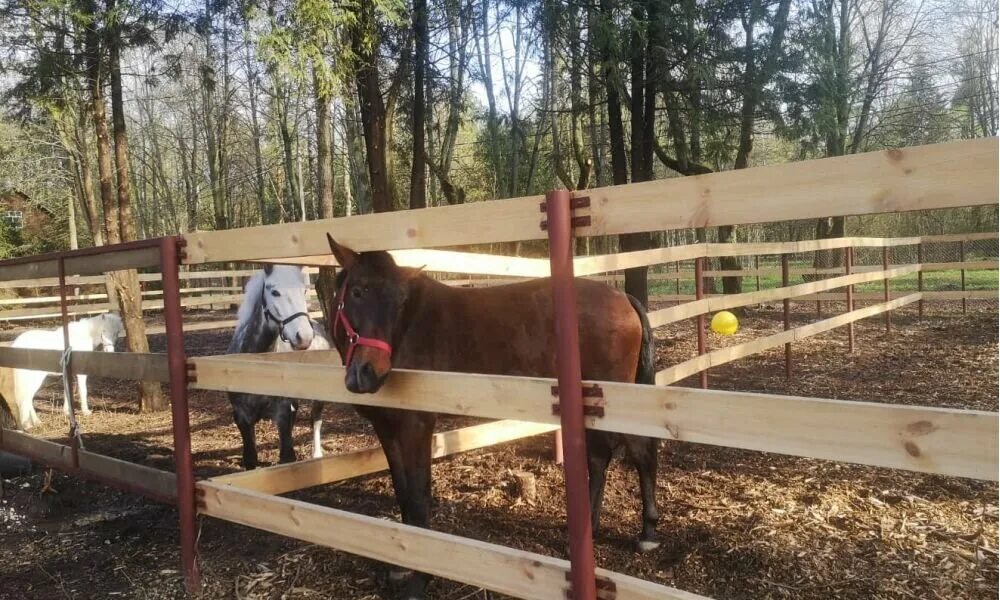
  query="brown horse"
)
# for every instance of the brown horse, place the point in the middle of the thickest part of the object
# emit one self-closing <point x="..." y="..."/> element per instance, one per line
<point x="387" y="316"/>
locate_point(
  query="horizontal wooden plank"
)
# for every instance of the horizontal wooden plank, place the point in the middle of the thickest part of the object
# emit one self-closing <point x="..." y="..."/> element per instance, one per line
<point x="280" y="479"/>
<point x="52" y="454"/>
<point x="591" y="265"/>
<point x="906" y="179"/>
<point x="959" y="237"/>
<point x="879" y="296"/>
<point x="74" y="299"/>
<point x="714" y="303"/>
<point x="722" y="356"/>
<point x="498" y="568"/>
<point x="133" y="366"/>
<point x="928" y="296"/>
<point x="120" y="260"/>
<point x="477" y="222"/>
<point x="446" y="261"/>
<point x="156" y="484"/>
<point x="152" y="482"/>
<point x="944" y="441"/>
<point x="917" y="178"/>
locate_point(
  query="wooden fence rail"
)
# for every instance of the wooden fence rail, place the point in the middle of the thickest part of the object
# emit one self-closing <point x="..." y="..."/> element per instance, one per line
<point x="730" y="353"/>
<point x="933" y="440"/>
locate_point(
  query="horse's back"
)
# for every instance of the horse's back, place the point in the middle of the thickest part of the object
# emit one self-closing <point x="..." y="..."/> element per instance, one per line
<point x="39" y="339"/>
<point x="510" y="329"/>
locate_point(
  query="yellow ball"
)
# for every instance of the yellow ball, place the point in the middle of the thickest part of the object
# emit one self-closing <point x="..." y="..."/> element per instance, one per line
<point x="725" y="323"/>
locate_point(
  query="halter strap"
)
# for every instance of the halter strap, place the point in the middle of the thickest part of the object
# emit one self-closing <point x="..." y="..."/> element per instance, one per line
<point x="353" y="338"/>
<point x="279" y="322"/>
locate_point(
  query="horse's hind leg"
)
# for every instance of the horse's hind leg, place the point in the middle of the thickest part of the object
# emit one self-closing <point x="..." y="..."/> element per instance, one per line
<point x="644" y="453"/>
<point x="316" y="417"/>
<point x="284" y="419"/>
<point x="599" y="452"/>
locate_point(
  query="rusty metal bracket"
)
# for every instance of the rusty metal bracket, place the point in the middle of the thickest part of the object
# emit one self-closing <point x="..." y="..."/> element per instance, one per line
<point x="593" y="397"/>
<point x="575" y="221"/>
<point x="192" y="372"/>
<point x="606" y="588"/>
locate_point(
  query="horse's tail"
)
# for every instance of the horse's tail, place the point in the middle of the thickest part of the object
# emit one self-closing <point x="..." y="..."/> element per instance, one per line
<point x="646" y="370"/>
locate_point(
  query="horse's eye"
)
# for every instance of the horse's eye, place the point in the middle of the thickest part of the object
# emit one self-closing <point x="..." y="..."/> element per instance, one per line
<point x="276" y="293"/>
<point x="356" y="292"/>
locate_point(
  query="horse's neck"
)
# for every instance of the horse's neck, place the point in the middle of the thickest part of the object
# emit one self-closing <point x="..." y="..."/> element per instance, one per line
<point x="83" y="335"/>
<point x="255" y="334"/>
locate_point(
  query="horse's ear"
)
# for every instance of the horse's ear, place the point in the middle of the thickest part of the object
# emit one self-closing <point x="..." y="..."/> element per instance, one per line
<point x="268" y="267"/>
<point x="344" y="255"/>
<point x="411" y="273"/>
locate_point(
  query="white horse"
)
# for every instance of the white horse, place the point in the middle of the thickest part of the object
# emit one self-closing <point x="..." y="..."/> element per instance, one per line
<point x="19" y="386"/>
<point x="273" y="316"/>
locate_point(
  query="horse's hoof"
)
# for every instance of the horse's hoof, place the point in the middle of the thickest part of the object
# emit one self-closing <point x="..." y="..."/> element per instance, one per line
<point x="398" y="575"/>
<point x="86" y="412"/>
<point x="644" y="546"/>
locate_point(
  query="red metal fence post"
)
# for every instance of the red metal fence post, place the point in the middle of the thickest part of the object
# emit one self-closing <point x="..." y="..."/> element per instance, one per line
<point x="756" y="267"/>
<point x="786" y="306"/>
<point x="848" y="267"/>
<point x="961" y="257"/>
<point x="581" y="543"/>
<point x="885" y="287"/>
<point x="74" y="427"/>
<point x="699" y="292"/>
<point x="169" y="262"/>
<point x="920" y="281"/>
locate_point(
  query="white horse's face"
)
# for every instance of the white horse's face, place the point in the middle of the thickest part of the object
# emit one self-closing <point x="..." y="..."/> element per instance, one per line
<point x="285" y="305"/>
<point x="110" y="330"/>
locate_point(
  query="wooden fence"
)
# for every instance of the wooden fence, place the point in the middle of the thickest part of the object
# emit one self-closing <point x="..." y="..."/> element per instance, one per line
<point x="926" y="439"/>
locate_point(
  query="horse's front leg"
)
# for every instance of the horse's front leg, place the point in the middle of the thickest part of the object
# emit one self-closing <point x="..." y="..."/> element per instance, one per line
<point x="284" y="419"/>
<point x="81" y="384"/>
<point x="316" y="416"/>
<point x="245" y="423"/>
<point x="416" y="442"/>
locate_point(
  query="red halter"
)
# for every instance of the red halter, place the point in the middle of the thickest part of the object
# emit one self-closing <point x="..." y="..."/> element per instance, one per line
<point x="353" y="339"/>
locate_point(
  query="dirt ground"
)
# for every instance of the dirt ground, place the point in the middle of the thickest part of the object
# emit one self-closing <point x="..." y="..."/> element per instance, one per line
<point x="735" y="524"/>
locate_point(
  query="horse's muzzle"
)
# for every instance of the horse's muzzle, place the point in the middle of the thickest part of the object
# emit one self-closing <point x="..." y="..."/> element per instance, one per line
<point x="362" y="378"/>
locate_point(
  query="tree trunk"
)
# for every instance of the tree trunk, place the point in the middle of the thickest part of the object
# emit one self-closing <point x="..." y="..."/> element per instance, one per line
<point x="365" y="43"/>
<point x="636" y="282"/>
<point x="151" y="397"/>
<point x="255" y="130"/>
<point x="486" y="68"/>
<point x="418" y="172"/>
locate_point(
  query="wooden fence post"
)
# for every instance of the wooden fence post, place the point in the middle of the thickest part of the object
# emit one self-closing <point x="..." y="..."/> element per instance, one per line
<point x="885" y="287"/>
<point x="848" y="267"/>
<point x="920" y="281"/>
<point x="699" y="292"/>
<point x="756" y="267"/>
<point x="786" y="304"/>
<point x="961" y="257"/>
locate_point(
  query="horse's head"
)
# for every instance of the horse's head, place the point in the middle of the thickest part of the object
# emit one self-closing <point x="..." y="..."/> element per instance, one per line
<point x="283" y="300"/>
<point x="371" y="293"/>
<point x="105" y="329"/>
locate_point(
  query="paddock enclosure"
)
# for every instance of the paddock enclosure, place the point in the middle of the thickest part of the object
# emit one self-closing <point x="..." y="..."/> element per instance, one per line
<point x="923" y="437"/>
